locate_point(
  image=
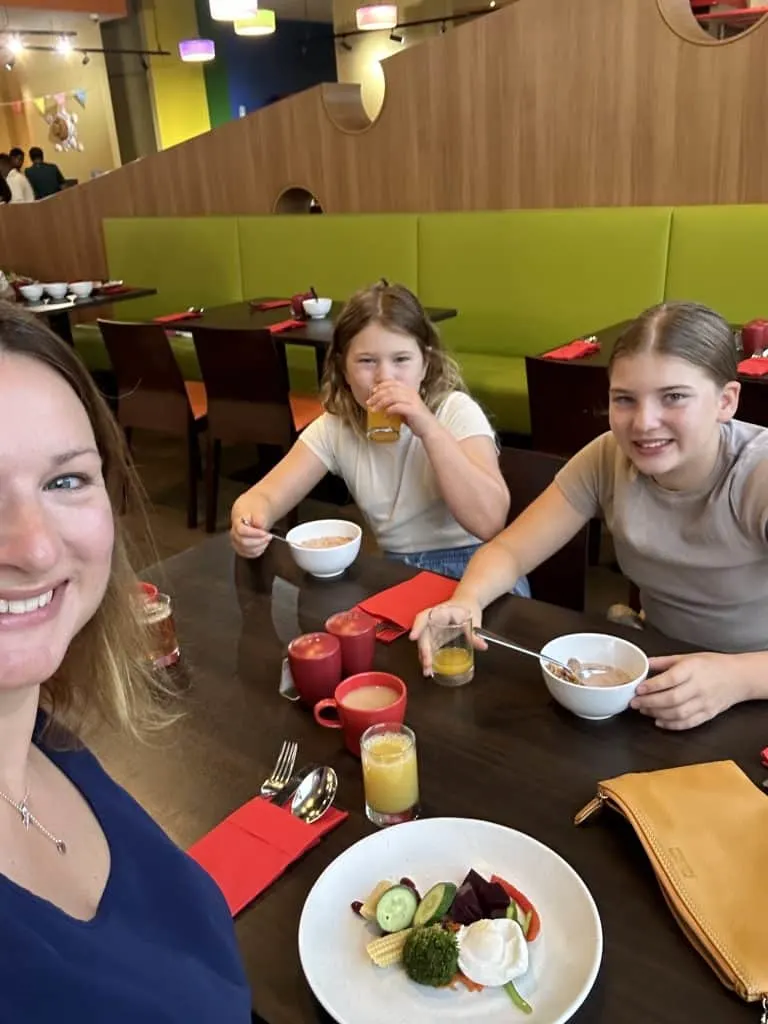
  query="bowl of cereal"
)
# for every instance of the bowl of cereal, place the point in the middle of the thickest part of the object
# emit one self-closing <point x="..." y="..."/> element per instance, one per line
<point x="612" y="668"/>
<point x="325" y="547"/>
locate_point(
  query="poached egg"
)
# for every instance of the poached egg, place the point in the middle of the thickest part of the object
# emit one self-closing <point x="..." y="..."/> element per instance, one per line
<point x="492" y="952"/>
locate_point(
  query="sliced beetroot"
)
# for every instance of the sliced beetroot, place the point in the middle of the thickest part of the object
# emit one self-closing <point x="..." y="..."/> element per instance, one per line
<point x="466" y="907"/>
<point x="490" y="895"/>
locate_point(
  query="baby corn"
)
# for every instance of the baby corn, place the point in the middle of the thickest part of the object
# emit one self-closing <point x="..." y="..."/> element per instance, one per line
<point x="388" y="950"/>
<point x="368" y="909"/>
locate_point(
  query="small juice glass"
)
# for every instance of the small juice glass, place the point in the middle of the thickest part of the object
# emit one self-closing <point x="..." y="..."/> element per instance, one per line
<point x="453" y="654"/>
<point x="158" y="617"/>
<point x="382" y="427"/>
<point x="390" y="773"/>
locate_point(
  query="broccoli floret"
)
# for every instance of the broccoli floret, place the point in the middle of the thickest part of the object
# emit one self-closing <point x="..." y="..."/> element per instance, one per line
<point x="431" y="955"/>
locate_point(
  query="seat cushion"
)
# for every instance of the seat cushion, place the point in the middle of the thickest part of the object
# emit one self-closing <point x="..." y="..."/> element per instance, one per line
<point x="499" y="384"/>
<point x="302" y="369"/>
<point x="198" y="399"/>
<point x="305" y="409"/>
<point x="717" y="255"/>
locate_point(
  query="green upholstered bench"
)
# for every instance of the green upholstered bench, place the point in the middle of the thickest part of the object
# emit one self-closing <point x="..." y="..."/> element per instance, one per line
<point x="527" y="280"/>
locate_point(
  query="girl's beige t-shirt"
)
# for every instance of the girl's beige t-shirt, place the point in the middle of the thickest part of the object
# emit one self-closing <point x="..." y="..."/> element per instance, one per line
<point x="699" y="558"/>
<point x="394" y="485"/>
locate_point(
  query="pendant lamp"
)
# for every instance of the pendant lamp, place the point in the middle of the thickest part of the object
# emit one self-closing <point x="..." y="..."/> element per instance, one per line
<point x="262" y="23"/>
<point x="376" y="16"/>
<point x="196" y="51"/>
<point x="229" y="10"/>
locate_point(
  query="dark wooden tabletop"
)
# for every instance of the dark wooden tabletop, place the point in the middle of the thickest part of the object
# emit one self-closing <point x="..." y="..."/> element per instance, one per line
<point x="608" y="336"/>
<point x="58" y="317"/>
<point x="243" y="316"/>
<point x="498" y="749"/>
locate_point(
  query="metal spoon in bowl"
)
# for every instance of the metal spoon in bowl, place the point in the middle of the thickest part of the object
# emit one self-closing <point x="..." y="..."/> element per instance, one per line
<point x="572" y="670"/>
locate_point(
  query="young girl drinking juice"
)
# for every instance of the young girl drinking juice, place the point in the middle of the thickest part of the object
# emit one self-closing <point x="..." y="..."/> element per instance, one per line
<point x="433" y="489"/>
<point x="683" y="488"/>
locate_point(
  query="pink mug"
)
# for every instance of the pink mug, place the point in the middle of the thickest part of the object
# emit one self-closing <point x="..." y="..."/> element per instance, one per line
<point x="315" y="660"/>
<point x="362" y="700"/>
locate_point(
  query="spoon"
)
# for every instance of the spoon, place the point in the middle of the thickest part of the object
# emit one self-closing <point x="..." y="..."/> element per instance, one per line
<point x="572" y="669"/>
<point x="315" y="794"/>
<point x="275" y="536"/>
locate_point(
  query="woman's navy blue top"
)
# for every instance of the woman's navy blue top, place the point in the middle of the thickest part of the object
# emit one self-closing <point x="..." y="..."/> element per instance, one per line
<point x="160" y="950"/>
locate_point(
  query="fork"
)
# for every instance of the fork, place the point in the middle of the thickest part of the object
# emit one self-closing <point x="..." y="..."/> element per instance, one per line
<point x="282" y="770"/>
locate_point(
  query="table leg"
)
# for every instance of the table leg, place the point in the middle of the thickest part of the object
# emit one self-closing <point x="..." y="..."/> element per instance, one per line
<point x="60" y="324"/>
<point x="320" y="351"/>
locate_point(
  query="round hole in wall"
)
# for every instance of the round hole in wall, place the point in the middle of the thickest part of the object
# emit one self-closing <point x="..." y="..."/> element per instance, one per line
<point x="297" y="200"/>
<point x="708" y="21"/>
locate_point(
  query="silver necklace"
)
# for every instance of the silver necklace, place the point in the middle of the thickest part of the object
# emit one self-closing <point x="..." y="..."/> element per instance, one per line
<point x="28" y="818"/>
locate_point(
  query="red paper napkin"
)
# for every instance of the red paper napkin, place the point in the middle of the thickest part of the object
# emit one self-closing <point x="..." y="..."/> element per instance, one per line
<point x="573" y="350"/>
<point x="755" y="367"/>
<point x="254" y="846"/>
<point x="271" y="304"/>
<point x="285" y="325"/>
<point x="171" y="318"/>
<point x="397" y="607"/>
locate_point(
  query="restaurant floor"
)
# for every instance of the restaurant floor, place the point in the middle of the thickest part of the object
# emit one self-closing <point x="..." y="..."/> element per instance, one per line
<point x="161" y="465"/>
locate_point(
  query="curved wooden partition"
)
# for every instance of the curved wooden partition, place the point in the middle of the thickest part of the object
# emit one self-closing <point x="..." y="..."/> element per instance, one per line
<point x="540" y="104"/>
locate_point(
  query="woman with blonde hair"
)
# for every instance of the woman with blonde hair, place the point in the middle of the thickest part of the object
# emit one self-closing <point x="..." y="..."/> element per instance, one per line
<point x="432" y="494"/>
<point x="102" y="917"/>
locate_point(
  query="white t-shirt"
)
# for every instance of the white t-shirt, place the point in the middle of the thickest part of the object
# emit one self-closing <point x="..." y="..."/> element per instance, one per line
<point x="21" y="190"/>
<point x="394" y="485"/>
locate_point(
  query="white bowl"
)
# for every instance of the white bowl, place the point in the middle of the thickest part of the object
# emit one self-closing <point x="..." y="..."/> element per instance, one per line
<point x="325" y="563"/>
<point x="32" y="292"/>
<point x="317" y="308"/>
<point x="82" y="289"/>
<point x="594" y="702"/>
<point x="56" y="290"/>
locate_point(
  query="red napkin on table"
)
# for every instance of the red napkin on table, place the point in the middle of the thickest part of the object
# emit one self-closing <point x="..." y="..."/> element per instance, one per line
<point x="755" y="367"/>
<point x="397" y="607"/>
<point x="171" y="318"/>
<point x="285" y="325"/>
<point x="271" y="304"/>
<point x="573" y="350"/>
<point x="254" y="846"/>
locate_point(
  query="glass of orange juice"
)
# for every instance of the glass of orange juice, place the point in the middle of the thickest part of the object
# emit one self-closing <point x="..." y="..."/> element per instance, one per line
<point x="453" y="654"/>
<point x="390" y="773"/>
<point x="382" y="427"/>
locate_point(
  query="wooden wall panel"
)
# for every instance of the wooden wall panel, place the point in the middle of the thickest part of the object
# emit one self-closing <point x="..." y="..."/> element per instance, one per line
<point x="540" y="104"/>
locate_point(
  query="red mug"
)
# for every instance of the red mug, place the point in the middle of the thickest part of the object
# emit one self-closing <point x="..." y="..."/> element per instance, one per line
<point x="360" y="701"/>
<point x="754" y="338"/>
<point x="357" y="635"/>
<point x="315" y="660"/>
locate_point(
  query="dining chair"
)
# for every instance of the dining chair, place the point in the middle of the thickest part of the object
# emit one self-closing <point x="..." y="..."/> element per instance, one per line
<point x="561" y="579"/>
<point x="153" y="395"/>
<point x="249" y="398"/>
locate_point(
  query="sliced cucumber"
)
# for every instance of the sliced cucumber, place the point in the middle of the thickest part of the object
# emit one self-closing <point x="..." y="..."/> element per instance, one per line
<point x="437" y="902"/>
<point x="396" y="908"/>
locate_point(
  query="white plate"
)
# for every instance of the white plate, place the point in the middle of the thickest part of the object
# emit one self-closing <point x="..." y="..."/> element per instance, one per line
<point x="564" y="959"/>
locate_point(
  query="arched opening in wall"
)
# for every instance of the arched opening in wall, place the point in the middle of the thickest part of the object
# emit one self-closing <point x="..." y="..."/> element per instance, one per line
<point x="297" y="200"/>
<point x="713" y="21"/>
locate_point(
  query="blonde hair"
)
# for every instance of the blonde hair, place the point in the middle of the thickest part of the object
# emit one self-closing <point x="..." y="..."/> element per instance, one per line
<point x="105" y="673"/>
<point x="397" y="309"/>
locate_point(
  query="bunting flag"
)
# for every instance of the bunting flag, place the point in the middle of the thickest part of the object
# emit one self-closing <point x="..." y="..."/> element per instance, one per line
<point x="41" y="103"/>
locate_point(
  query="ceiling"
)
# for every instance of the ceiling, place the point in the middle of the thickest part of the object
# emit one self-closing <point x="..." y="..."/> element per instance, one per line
<point x="303" y="10"/>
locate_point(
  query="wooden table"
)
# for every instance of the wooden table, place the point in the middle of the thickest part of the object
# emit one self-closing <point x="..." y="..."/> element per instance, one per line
<point x="243" y="316"/>
<point x="58" y="317"/>
<point x="568" y="399"/>
<point x="498" y="749"/>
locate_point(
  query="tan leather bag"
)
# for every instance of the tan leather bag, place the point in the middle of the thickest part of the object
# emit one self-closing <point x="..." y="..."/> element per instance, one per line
<point x="705" y="830"/>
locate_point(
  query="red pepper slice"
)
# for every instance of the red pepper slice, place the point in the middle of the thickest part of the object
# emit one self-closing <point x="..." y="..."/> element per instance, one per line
<point x="525" y="905"/>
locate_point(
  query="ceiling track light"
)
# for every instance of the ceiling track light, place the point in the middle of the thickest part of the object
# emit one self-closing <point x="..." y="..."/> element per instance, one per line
<point x="395" y="37"/>
<point x="9" y="64"/>
<point x="86" y="59"/>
